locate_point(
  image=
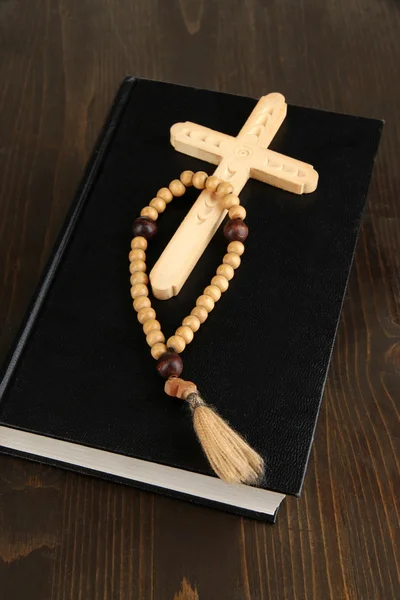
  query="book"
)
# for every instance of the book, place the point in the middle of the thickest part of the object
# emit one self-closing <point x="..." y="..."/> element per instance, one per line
<point x="80" y="389"/>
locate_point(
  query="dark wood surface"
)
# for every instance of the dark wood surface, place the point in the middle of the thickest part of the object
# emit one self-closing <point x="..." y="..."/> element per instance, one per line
<point x="65" y="536"/>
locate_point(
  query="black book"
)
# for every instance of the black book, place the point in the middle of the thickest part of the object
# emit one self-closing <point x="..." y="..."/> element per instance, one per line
<point x="80" y="388"/>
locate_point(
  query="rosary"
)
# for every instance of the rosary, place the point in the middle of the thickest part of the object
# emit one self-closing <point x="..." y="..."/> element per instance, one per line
<point x="232" y="459"/>
<point x="238" y="158"/>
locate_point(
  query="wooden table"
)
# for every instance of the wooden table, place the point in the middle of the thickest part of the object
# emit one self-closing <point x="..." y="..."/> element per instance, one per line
<point x="65" y="536"/>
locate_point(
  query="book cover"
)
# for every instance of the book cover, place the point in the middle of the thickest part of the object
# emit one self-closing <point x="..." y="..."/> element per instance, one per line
<point x="80" y="370"/>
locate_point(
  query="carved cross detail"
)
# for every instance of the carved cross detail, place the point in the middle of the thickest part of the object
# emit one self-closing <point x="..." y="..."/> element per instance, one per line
<point x="239" y="159"/>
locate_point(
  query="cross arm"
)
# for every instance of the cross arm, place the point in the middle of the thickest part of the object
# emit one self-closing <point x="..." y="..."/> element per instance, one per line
<point x="198" y="141"/>
<point x="281" y="171"/>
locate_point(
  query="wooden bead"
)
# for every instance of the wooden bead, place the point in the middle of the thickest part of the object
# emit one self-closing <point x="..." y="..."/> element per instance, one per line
<point x="237" y="212"/>
<point x="205" y="301"/>
<point x="145" y="227"/>
<point x="177" y="343"/>
<point x="221" y="282"/>
<point x="137" y="254"/>
<point x="192" y="322"/>
<point x="236" y="230"/>
<point x="187" y="178"/>
<point x="179" y="388"/>
<point x="146" y="314"/>
<point x="141" y="302"/>
<point x="137" y="265"/>
<point x="177" y="188"/>
<point x="139" y="277"/>
<point x="226" y="271"/>
<point x="155" y="337"/>
<point x="213" y="291"/>
<point x="158" y="349"/>
<point x="212" y="183"/>
<point x="230" y="200"/>
<point x="165" y="194"/>
<point x="224" y="188"/>
<point x="186" y="333"/>
<point x="159" y="204"/>
<point x="232" y="259"/>
<point x="150" y="212"/>
<point x="200" y="312"/>
<point x="139" y="289"/>
<point x="139" y="242"/>
<point x="236" y="247"/>
<point x="199" y="180"/>
<point x="169" y="364"/>
<point x="151" y="325"/>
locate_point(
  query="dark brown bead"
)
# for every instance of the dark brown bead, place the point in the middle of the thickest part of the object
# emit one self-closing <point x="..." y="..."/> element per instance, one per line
<point x="170" y="364"/>
<point x="236" y="230"/>
<point x="145" y="227"/>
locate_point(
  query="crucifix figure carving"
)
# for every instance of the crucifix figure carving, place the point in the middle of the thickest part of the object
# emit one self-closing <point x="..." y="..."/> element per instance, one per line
<point x="239" y="159"/>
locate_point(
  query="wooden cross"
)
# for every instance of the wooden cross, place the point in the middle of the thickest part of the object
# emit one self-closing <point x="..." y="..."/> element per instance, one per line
<point x="239" y="159"/>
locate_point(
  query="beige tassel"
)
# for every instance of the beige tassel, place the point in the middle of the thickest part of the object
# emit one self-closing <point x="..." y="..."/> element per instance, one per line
<point x="232" y="459"/>
<point x="228" y="453"/>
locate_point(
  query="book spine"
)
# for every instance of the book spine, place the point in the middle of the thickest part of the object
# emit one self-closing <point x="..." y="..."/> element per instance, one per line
<point x="83" y="192"/>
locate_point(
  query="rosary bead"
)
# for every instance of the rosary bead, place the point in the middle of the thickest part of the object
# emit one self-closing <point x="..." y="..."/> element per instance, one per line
<point x="146" y="314"/>
<point x="141" y="302"/>
<point x="232" y="259"/>
<point x="205" y="301"/>
<point x="139" y="277"/>
<point x="159" y="204"/>
<point x="165" y="194"/>
<point x="230" y="200"/>
<point x="237" y="247"/>
<point x="169" y="364"/>
<point x="151" y="325"/>
<point x="177" y="188"/>
<point x="139" y="242"/>
<point x="200" y="312"/>
<point x="158" y="349"/>
<point x="237" y="212"/>
<point x="192" y="322"/>
<point x="221" y="282"/>
<point x="224" y="188"/>
<point x="145" y="227"/>
<point x="226" y="271"/>
<point x="213" y="291"/>
<point x="149" y="212"/>
<point x="199" y="180"/>
<point x="236" y="230"/>
<point x="137" y="254"/>
<point x="177" y="343"/>
<point x="139" y="289"/>
<point x="187" y="178"/>
<point x="212" y="183"/>
<point x="186" y="333"/>
<point x="154" y="337"/>
<point x="137" y="265"/>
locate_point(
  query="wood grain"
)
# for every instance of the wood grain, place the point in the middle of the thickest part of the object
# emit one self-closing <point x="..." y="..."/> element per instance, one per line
<point x="65" y="536"/>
